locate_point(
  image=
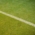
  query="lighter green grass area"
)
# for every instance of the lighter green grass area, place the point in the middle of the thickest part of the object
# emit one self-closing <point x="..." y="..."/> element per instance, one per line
<point x="24" y="9"/>
<point x="10" y="26"/>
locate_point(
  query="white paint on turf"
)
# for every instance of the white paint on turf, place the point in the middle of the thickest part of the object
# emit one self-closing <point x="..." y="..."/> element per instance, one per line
<point x="22" y="20"/>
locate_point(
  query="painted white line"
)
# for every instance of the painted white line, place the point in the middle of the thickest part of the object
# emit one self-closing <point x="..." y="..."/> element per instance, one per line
<point x="22" y="20"/>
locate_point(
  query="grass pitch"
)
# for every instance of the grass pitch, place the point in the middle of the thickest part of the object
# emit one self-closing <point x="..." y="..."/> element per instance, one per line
<point x="24" y="9"/>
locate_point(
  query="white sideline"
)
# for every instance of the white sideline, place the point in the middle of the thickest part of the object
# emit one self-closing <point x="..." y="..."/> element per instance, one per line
<point x="22" y="20"/>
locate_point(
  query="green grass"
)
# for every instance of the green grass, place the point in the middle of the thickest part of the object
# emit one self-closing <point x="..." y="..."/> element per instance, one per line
<point x="22" y="8"/>
<point x="10" y="26"/>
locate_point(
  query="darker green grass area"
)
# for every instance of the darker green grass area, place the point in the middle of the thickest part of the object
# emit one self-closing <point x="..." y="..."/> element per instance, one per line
<point x="21" y="8"/>
<point x="10" y="26"/>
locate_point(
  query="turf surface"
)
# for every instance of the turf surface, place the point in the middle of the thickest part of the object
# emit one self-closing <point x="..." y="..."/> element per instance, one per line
<point x="10" y="26"/>
<point x="22" y="8"/>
